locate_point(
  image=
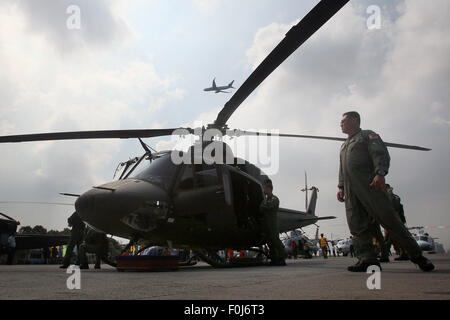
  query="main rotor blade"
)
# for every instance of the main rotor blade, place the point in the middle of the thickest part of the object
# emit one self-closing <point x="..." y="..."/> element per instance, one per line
<point x="8" y="217"/>
<point x="37" y="202"/>
<point x="388" y="144"/>
<point x="317" y="218"/>
<point x="295" y="37"/>
<point x="105" y="134"/>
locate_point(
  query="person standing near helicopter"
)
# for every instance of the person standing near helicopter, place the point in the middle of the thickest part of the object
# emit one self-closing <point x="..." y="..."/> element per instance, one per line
<point x="269" y="209"/>
<point x="364" y="163"/>
<point x="76" y="237"/>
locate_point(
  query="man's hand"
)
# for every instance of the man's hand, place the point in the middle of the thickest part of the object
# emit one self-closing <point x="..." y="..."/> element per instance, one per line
<point x="378" y="183"/>
<point x="340" y="195"/>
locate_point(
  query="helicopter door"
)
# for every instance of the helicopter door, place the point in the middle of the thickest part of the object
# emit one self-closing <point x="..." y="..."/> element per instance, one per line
<point x="199" y="192"/>
<point x="247" y="197"/>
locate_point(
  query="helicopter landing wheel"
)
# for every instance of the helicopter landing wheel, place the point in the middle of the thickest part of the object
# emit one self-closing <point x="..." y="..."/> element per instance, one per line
<point x="215" y="260"/>
<point x="212" y="258"/>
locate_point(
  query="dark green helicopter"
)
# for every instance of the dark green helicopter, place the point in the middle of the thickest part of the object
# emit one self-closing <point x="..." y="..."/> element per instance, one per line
<point x="196" y="204"/>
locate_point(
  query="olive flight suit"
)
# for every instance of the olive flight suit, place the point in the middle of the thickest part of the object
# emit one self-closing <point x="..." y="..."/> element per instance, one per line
<point x="376" y="233"/>
<point x="76" y="237"/>
<point x="269" y="209"/>
<point x="362" y="156"/>
<point x="94" y="242"/>
<point x="396" y="202"/>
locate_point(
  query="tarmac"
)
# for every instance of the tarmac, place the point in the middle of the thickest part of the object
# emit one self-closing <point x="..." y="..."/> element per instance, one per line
<point x="317" y="278"/>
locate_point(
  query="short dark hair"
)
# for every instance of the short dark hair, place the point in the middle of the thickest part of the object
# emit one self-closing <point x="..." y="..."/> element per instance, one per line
<point x="354" y="115"/>
<point x="268" y="183"/>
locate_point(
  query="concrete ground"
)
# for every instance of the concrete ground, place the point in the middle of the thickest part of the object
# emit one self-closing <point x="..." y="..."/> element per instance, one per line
<point x="300" y="279"/>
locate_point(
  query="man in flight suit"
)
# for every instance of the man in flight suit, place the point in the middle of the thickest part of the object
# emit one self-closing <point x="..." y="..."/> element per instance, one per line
<point x="396" y="202"/>
<point x="269" y="209"/>
<point x="383" y="248"/>
<point x="94" y="242"/>
<point x="364" y="161"/>
<point x="76" y="237"/>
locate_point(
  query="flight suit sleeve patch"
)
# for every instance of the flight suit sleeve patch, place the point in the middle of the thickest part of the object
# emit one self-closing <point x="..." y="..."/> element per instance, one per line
<point x="373" y="136"/>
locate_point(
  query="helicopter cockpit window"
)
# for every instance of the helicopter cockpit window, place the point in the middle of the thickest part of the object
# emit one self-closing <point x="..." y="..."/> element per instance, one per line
<point x="187" y="179"/>
<point x="159" y="171"/>
<point x="205" y="176"/>
<point x="198" y="176"/>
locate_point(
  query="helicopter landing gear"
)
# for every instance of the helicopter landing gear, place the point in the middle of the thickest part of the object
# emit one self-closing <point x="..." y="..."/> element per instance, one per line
<point x="128" y="246"/>
<point x="212" y="258"/>
<point x="217" y="260"/>
<point x="186" y="259"/>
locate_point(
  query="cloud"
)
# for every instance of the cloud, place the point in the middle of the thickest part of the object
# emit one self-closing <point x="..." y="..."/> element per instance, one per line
<point x="100" y="23"/>
<point x="43" y="90"/>
<point x="207" y="6"/>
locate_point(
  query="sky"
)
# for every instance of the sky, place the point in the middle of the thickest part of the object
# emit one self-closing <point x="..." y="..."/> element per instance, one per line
<point x="143" y="64"/>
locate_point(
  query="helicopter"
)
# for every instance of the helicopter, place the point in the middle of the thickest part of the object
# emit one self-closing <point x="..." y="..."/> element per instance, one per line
<point x="299" y="236"/>
<point x="209" y="200"/>
<point x="423" y="239"/>
<point x="9" y="225"/>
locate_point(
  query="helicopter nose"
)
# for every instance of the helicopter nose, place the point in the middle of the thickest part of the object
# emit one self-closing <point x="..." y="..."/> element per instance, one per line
<point x="128" y="203"/>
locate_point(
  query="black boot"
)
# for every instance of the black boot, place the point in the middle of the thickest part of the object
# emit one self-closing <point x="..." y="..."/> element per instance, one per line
<point x="402" y="258"/>
<point x="423" y="263"/>
<point x="278" y="262"/>
<point x="361" y="266"/>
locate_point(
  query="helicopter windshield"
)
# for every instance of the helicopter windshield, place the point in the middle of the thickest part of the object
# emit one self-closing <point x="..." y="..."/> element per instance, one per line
<point x="160" y="171"/>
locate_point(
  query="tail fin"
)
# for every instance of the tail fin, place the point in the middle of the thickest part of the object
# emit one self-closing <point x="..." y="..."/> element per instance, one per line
<point x="312" y="202"/>
<point x="317" y="234"/>
<point x="231" y="84"/>
<point x="306" y="191"/>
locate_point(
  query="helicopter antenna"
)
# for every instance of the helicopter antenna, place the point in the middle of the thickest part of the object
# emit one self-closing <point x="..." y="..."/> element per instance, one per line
<point x="117" y="169"/>
<point x="127" y="164"/>
<point x="305" y="189"/>
<point x="146" y="147"/>
<point x="70" y="194"/>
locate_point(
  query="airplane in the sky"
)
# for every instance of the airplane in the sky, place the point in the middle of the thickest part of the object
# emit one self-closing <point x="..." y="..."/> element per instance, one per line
<point x="219" y="89"/>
